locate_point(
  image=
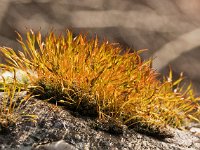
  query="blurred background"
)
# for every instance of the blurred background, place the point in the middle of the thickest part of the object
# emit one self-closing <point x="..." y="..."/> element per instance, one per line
<point x="170" y="29"/>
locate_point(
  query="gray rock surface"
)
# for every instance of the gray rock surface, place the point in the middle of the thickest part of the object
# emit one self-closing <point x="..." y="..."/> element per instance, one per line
<point x="56" y="128"/>
<point x="59" y="145"/>
<point x="169" y="29"/>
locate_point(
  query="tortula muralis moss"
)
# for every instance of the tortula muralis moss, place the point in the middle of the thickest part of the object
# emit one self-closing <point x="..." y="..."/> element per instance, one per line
<point x="103" y="80"/>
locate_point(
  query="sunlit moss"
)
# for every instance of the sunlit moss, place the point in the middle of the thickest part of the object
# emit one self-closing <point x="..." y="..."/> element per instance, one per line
<point x="11" y="105"/>
<point x="103" y="80"/>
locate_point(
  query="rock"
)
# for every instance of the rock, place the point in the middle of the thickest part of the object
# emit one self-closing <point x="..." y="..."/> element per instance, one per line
<point x="21" y="76"/>
<point x="194" y="128"/>
<point x="169" y="29"/>
<point x="57" y="128"/>
<point x="59" y="145"/>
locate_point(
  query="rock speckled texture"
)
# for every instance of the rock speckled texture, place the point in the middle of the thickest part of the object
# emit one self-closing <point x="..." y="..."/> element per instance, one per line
<point x="168" y="28"/>
<point x="57" y="128"/>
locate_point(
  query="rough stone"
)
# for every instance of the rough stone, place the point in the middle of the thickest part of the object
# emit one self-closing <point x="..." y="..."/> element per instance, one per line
<point x="57" y="128"/>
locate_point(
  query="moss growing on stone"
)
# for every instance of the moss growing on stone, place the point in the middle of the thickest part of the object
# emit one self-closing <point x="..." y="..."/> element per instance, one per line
<point x="103" y="81"/>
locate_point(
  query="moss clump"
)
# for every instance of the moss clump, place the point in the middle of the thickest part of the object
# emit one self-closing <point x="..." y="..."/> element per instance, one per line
<point x="103" y="81"/>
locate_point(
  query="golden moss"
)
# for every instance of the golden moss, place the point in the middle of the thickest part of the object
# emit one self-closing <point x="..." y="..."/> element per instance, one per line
<point x="103" y="81"/>
<point x="11" y="103"/>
